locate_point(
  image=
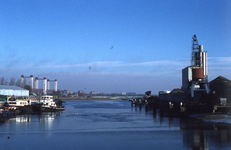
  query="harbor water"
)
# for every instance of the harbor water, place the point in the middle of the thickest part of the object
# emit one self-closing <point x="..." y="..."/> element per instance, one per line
<point x="110" y="124"/>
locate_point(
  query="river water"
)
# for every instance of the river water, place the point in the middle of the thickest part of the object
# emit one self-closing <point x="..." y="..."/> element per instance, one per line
<point x="112" y="124"/>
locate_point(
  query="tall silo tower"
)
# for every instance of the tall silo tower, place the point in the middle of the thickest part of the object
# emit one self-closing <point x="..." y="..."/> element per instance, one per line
<point x="44" y="85"/>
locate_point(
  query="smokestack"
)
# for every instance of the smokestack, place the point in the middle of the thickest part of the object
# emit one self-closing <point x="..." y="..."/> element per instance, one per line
<point x="36" y="83"/>
<point x="31" y="82"/>
<point x="56" y="85"/>
<point x="22" y="81"/>
<point x="48" y="84"/>
<point x="44" y="85"/>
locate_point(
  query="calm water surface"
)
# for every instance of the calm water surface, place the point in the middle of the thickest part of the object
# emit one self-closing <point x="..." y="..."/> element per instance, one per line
<point x="113" y="125"/>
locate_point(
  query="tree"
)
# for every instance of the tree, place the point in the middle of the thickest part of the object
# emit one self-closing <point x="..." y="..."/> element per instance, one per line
<point x="5" y="82"/>
<point x="2" y="81"/>
<point x="12" y="81"/>
<point x="18" y="83"/>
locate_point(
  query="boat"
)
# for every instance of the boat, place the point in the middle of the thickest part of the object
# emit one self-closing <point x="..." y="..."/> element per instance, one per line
<point x="18" y="104"/>
<point x="5" y="110"/>
<point x="47" y="104"/>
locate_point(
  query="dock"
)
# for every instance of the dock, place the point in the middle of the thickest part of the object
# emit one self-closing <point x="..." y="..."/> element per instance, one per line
<point x="181" y="109"/>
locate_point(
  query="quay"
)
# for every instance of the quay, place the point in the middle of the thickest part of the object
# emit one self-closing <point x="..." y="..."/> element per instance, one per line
<point x="180" y="109"/>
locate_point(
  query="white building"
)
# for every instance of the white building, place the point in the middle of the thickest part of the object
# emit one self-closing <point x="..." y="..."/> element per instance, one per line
<point x="13" y="91"/>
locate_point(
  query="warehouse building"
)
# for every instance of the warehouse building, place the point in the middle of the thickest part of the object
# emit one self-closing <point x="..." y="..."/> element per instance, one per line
<point x="16" y="91"/>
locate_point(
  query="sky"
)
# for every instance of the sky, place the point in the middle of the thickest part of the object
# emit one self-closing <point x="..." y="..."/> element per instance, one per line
<point x="112" y="46"/>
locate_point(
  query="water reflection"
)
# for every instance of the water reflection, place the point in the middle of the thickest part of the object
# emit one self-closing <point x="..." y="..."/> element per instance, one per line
<point x="197" y="134"/>
<point x="23" y="118"/>
<point x="46" y="120"/>
<point x="196" y="140"/>
<point x="42" y="117"/>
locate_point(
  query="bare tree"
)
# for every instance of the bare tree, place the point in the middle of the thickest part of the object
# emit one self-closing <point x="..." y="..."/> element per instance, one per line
<point x="18" y="82"/>
<point x="6" y="82"/>
<point x="2" y="80"/>
<point x="12" y="81"/>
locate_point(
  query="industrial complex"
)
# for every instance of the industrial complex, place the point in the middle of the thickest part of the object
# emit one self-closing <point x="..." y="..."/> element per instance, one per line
<point x="46" y="84"/>
<point x="197" y="94"/>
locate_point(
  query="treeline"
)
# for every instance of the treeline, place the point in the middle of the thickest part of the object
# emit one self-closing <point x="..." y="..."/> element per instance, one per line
<point x="12" y="81"/>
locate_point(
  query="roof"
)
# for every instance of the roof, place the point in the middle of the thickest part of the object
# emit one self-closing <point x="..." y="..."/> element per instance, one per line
<point x="177" y="91"/>
<point x="220" y="83"/>
<point x="12" y="87"/>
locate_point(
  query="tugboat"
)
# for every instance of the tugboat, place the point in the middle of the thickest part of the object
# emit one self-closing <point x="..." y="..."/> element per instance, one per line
<point x="47" y="104"/>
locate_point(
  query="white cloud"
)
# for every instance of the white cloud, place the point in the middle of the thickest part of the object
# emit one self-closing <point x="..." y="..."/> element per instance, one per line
<point x="111" y="64"/>
<point x="219" y="60"/>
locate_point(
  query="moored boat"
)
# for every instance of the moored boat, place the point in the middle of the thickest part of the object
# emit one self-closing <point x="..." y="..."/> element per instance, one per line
<point x="16" y="98"/>
<point x="48" y="104"/>
<point x="19" y="104"/>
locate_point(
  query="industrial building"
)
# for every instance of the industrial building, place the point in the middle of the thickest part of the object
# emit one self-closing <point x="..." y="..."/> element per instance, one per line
<point x="15" y="91"/>
<point x="197" y="94"/>
<point x="195" y="83"/>
<point x="220" y="90"/>
<point x="46" y="84"/>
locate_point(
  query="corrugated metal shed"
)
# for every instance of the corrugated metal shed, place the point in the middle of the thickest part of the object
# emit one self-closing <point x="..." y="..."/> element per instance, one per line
<point x="13" y="90"/>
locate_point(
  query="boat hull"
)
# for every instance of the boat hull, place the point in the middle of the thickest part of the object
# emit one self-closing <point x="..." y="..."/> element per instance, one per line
<point x="25" y="109"/>
<point x="51" y="109"/>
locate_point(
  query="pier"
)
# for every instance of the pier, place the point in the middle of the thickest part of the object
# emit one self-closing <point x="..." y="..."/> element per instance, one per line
<point x="179" y="109"/>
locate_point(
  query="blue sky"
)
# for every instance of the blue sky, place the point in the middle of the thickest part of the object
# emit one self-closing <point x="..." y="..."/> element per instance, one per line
<point x="112" y="45"/>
